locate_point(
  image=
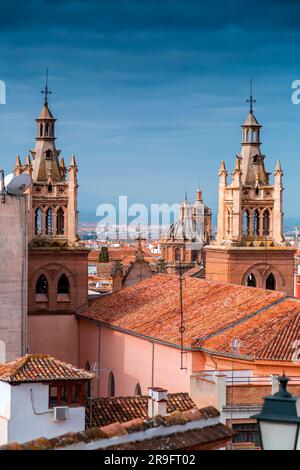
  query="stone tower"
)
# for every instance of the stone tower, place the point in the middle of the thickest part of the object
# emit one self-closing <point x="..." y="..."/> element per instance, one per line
<point x="250" y="248"/>
<point x="182" y="246"/>
<point x="57" y="263"/>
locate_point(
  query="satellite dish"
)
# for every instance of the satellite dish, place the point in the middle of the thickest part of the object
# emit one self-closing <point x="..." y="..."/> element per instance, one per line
<point x="18" y="184"/>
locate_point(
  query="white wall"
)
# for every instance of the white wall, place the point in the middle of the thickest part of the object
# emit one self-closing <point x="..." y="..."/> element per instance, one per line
<point x="5" y="402"/>
<point x="26" y="423"/>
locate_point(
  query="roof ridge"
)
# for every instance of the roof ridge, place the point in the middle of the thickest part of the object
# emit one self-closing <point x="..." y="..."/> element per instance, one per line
<point x="25" y="360"/>
<point x="242" y="320"/>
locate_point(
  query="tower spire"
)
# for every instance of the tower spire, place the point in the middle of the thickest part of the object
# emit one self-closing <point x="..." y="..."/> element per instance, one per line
<point x="251" y="100"/>
<point x="46" y="90"/>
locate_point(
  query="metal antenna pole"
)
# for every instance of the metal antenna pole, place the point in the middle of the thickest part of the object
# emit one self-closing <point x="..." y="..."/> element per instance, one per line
<point x="182" y="327"/>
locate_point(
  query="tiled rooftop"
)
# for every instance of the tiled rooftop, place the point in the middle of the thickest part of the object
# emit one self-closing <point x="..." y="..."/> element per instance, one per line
<point x="152" y="307"/>
<point x="269" y="335"/>
<point x="40" y="368"/>
<point x="178" y="430"/>
<point x="121" y="409"/>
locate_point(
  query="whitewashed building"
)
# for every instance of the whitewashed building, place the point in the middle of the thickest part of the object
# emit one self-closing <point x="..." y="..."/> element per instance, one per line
<point x="41" y="396"/>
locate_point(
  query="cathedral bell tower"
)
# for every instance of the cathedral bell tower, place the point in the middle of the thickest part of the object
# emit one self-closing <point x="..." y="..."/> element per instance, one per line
<point x="250" y="248"/>
<point x="57" y="263"/>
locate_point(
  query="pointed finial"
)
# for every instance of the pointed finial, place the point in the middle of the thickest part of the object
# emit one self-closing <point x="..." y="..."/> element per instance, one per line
<point x="237" y="164"/>
<point x="18" y="161"/>
<point x="28" y="161"/>
<point x="222" y="170"/>
<point x="251" y="99"/>
<point x="73" y="160"/>
<point x="185" y="196"/>
<point x="46" y="91"/>
<point x="278" y="170"/>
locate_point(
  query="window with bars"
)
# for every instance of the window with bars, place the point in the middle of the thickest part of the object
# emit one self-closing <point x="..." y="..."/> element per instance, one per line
<point x="246" y="432"/>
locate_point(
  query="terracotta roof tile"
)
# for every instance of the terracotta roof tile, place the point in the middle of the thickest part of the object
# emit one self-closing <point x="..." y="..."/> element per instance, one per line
<point x="152" y="307"/>
<point x="179" y="436"/>
<point x="268" y="335"/>
<point x="40" y="368"/>
<point x="121" y="409"/>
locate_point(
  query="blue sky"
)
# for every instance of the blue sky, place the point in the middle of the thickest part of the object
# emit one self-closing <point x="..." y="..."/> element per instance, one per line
<point x="150" y="95"/>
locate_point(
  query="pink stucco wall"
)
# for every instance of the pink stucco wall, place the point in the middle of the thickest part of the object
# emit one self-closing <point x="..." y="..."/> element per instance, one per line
<point x="54" y="334"/>
<point x="130" y="359"/>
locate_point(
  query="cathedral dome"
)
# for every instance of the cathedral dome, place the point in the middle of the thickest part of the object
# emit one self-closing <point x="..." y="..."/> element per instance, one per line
<point x="185" y="227"/>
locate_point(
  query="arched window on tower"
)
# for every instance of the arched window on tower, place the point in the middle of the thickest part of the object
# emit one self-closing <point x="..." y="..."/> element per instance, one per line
<point x="271" y="282"/>
<point x="247" y="135"/>
<point x="41" y="285"/>
<point x="251" y="281"/>
<point x="177" y="254"/>
<point x="38" y="221"/>
<point x="41" y="130"/>
<point x="49" y="222"/>
<point x="111" y="385"/>
<point x="256" y="223"/>
<point x="254" y="134"/>
<point x="246" y="222"/>
<point x="229" y="221"/>
<point x="63" y="285"/>
<point x="60" y="222"/>
<point x="47" y="130"/>
<point x="138" y="390"/>
<point x="266" y="223"/>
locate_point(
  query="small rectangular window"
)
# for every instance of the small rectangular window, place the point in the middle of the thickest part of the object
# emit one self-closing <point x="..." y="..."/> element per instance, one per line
<point x="53" y="396"/>
<point x="63" y="395"/>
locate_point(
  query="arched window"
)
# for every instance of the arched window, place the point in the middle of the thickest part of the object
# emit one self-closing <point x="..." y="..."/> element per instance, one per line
<point x="47" y="130"/>
<point x="41" y="130"/>
<point x="266" y="223"/>
<point x="38" y="221"/>
<point x="50" y="187"/>
<point x="229" y="221"/>
<point x="256" y="223"/>
<point x="63" y="285"/>
<point x="48" y="155"/>
<point x="271" y="282"/>
<point x="247" y="135"/>
<point x="246" y="222"/>
<point x="177" y="254"/>
<point x="49" y="222"/>
<point x="111" y="385"/>
<point x="254" y="135"/>
<point x="251" y="281"/>
<point x="138" y="390"/>
<point x="60" y="222"/>
<point x="41" y="285"/>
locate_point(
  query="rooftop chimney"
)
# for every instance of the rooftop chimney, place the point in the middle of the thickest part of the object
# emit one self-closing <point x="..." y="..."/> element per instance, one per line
<point x="157" y="401"/>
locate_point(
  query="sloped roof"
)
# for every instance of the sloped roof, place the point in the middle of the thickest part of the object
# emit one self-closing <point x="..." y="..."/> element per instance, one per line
<point x="152" y="307"/>
<point x="46" y="113"/>
<point x="251" y="121"/>
<point x="121" y="409"/>
<point x="268" y="335"/>
<point x="40" y="368"/>
<point x="178" y="430"/>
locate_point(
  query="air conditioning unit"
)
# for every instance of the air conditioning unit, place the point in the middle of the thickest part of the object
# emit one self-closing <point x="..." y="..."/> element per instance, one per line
<point x="60" y="413"/>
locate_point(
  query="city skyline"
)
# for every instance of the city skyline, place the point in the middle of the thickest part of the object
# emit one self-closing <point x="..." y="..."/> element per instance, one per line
<point x="153" y="98"/>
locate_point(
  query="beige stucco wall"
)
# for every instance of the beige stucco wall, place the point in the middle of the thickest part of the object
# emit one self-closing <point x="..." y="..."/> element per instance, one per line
<point x="13" y="277"/>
